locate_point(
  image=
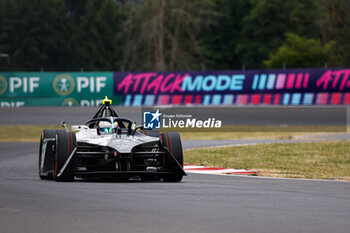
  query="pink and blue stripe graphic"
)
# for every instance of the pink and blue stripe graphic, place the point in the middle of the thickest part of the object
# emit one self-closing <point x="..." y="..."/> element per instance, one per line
<point x="240" y="99"/>
<point x="280" y="81"/>
<point x="228" y="99"/>
<point x="255" y="87"/>
<point x="308" y="98"/>
<point x="296" y="98"/>
<point x="271" y="81"/>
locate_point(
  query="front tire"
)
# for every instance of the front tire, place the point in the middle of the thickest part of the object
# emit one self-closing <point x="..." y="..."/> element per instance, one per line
<point x="65" y="144"/>
<point x="172" y="141"/>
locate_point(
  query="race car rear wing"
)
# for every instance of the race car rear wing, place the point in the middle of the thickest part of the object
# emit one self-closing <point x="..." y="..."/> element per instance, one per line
<point x="75" y="152"/>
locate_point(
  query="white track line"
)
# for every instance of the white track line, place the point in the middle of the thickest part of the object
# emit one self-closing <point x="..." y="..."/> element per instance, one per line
<point x="217" y="171"/>
<point x="228" y="145"/>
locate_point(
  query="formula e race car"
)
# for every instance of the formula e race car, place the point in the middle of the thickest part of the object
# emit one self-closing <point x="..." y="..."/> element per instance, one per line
<point x="109" y="146"/>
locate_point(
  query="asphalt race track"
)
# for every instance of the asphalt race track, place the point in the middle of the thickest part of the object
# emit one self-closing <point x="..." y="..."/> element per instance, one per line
<point x="201" y="203"/>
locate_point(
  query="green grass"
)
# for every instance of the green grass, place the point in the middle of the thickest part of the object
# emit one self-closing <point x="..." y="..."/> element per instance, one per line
<point x="323" y="160"/>
<point x="23" y="133"/>
<point x="260" y="132"/>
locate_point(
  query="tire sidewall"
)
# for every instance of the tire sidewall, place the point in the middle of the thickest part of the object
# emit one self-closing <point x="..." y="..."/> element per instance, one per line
<point x="172" y="141"/>
<point x="65" y="144"/>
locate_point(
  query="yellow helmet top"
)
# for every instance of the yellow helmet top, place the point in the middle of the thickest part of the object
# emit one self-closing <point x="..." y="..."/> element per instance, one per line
<point x="106" y="101"/>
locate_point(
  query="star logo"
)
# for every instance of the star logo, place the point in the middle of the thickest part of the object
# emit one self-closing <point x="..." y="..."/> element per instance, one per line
<point x="152" y="120"/>
<point x="156" y="115"/>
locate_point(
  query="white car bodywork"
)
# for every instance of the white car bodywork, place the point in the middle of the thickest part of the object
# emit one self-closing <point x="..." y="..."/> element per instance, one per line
<point x="122" y="143"/>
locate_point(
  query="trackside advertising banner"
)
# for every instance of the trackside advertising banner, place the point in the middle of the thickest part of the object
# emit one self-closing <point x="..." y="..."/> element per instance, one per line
<point x="55" y="89"/>
<point x="253" y="87"/>
<point x="256" y="87"/>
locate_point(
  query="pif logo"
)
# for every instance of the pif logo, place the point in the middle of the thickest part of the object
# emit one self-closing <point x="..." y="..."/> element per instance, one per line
<point x="152" y="120"/>
<point x="3" y="85"/>
<point x="63" y="84"/>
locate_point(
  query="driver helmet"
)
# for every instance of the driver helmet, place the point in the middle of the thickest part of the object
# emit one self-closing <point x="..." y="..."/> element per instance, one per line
<point x="106" y="128"/>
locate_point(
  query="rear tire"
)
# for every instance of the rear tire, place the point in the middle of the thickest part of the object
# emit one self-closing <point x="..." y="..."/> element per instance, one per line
<point x="46" y="133"/>
<point x="65" y="144"/>
<point x="172" y="141"/>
